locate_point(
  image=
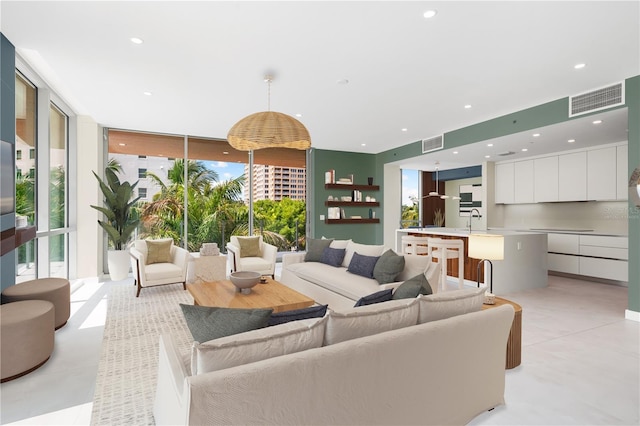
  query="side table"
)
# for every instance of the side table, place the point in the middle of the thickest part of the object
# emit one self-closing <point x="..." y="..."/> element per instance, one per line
<point x="206" y="268"/>
<point x="514" y="344"/>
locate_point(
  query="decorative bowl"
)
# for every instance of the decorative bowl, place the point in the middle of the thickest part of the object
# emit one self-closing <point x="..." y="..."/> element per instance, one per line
<point x="244" y="280"/>
<point x="345" y="198"/>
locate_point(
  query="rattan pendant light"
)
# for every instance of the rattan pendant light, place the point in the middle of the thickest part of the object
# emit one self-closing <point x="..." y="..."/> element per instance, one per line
<point x="268" y="129"/>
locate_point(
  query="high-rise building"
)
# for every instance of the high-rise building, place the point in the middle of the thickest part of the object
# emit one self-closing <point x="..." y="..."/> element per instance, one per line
<point x="276" y="183"/>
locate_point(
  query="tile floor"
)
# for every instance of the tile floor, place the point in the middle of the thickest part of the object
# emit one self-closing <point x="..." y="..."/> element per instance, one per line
<point x="580" y="362"/>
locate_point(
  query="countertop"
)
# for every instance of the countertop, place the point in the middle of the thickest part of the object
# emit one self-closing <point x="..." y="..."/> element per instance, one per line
<point x="577" y="231"/>
<point x="464" y="232"/>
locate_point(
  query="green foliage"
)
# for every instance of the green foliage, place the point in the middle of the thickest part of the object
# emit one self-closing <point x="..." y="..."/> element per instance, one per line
<point x="118" y="210"/>
<point x="411" y="214"/>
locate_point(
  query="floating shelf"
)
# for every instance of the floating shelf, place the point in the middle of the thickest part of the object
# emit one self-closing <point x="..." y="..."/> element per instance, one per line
<point x="363" y="220"/>
<point x="352" y="187"/>
<point x="352" y="203"/>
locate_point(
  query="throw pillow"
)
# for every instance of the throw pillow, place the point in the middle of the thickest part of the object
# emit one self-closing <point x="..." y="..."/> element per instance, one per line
<point x="298" y="314"/>
<point x="208" y="323"/>
<point x="413" y="287"/>
<point x="388" y="267"/>
<point x="315" y="247"/>
<point x="377" y="297"/>
<point x="362" y="265"/>
<point x="249" y="246"/>
<point x="159" y="251"/>
<point x="332" y="256"/>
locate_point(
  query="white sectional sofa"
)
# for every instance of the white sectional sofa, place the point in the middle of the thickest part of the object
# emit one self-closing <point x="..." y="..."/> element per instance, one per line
<point x="339" y="288"/>
<point x="377" y="364"/>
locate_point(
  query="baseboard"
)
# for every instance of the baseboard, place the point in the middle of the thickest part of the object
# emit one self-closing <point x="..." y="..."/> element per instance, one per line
<point x="632" y="315"/>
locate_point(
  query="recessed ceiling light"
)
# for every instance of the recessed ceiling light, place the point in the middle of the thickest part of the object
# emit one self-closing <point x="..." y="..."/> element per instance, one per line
<point x="147" y="93"/>
<point x="489" y="144"/>
<point x="487" y="156"/>
<point x="136" y="40"/>
<point x="524" y="150"/>
<point x="122" y="144"/>
<point x="571" y="140"/>
<point x="535" y="135"/>
<point x="363" y="144"/>
<point x="455" y="152"/>
<point x="597" y="122"/>
<point x="467" y="106"/>
<point x="430" y="13"/>
<point x="343" y="81"/>
<point x="579" y="66"/>
<point x="404" y="129"/>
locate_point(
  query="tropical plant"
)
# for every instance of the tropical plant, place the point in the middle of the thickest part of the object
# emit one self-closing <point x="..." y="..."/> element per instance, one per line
<point x="438" y="218"/>
<point x="121" y="220"/>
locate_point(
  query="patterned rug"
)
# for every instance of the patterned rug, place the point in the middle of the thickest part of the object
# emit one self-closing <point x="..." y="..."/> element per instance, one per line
<point x="126" y="382"/>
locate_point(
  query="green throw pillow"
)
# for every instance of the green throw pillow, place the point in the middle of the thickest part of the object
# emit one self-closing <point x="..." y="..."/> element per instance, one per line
<point x="412" y="288"/>
<point x="315" y="247"/>
<point x="208" y="323"/>
<point x="249" y="246"/>
<point x="159" y="251"/>
<point x="388" y="267"/>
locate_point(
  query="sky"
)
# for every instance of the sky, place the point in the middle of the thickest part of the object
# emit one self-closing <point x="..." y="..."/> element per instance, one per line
<point x="228" y="171"/>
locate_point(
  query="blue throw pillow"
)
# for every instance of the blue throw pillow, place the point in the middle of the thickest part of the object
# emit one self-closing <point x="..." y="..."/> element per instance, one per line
<point x="298" y="314"/>
<point x="363" y="265"/>
<point x="413" y="287"/>
<point x="377" y="297"/>
<point x="208" y="323"/>
<point x="332" y="256"/>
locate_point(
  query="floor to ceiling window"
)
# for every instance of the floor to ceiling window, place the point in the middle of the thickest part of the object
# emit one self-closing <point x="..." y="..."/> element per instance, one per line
<point x="410" y="199"/>
<point x="58" y="140"/>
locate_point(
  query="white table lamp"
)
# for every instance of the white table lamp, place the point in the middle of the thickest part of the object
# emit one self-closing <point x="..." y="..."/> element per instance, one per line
<point x="486" y="247"/>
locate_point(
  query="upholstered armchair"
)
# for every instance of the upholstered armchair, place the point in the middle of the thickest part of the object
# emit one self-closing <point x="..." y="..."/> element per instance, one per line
<point x="158" y="262"/>
<point x="251" y="254"/>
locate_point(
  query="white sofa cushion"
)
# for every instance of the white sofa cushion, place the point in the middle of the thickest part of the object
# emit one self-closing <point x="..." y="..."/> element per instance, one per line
<point x="370" y="319"/>
<point x="339" y="244"/>
<point x="365" y="249"/>
<point x="414" y="265"/>
<point x="163" y="271"/>
<point x="256" y="345"/>
<point x="447" y="304"/>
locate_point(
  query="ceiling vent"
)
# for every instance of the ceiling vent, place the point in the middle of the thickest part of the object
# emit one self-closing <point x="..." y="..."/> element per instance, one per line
<point x="504" y="154"/>
<point x="432" y="144"/>
<point x="597" y="100"/>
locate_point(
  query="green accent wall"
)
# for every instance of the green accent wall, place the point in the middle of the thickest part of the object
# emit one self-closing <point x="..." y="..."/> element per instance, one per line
<point x="7" y="133"/>
<point x="632" y="99"/>
<point x="361" y="166"/>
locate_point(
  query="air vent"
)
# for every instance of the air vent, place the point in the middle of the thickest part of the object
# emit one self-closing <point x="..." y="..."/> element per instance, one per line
<point x="504" y="154"/>
<point x="597" y="100"/>
<point x="432" y="144"/>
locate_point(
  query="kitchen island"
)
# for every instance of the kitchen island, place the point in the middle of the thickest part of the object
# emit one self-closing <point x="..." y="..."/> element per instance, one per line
<point x="525" y="257"/>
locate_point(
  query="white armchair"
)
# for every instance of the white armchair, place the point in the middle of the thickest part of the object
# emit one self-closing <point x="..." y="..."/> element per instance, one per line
<point x="172" y="270"/>
<point x="264" y="263"/>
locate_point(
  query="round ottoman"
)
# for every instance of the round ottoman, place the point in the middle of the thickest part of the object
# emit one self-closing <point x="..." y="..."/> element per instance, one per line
<point x="26" y="337"/>
<point x="55" y="290"/>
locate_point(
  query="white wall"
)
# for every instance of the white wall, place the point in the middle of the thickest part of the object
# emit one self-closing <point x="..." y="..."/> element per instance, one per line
<point x="89" y="150"/>
<point x="391" y="204"/>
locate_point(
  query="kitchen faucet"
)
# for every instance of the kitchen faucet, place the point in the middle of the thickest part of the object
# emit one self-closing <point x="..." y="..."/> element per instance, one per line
<point x="471" y="217"/>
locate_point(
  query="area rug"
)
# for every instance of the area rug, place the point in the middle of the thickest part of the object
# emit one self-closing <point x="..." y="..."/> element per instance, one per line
<point x="127" y="372"/>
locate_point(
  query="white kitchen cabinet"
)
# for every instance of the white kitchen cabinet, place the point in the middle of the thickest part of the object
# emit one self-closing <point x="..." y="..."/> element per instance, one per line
<point x="563" y="263"/>
<point x="523" y="182"/>
<point x="545" y="171"/>
<point x="601" y="174"/>
<point x="622" y="170"/>
<point x="572" y="176"/>
<point x="563" y="243"/>
<point x="609" y="269"/>
<point x="504" y="183"/>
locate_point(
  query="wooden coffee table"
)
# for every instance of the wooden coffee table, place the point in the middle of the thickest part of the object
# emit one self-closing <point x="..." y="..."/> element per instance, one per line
<point x="514" y="344"/>
<point x="272" y="295"/>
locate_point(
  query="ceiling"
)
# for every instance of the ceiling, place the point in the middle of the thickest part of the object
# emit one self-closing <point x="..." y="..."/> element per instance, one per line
<point x="204" y="63"/>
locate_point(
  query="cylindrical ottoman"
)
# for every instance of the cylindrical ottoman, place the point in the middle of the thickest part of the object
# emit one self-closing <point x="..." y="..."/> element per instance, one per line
<point x="55" y="290"/>
<point x="26" y="337"/>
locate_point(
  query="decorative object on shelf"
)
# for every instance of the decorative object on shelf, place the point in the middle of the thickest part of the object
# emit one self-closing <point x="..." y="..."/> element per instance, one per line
<point x="370" y="213"/>
<point x="370" y="181"/>
<point x="244" y="280"/>
<point x="268" y="129"/>
<point x="330" y="198"/>
<point x="438" y="218"/>
<point x="333" y="213"/>
<point x="330" y="176"/>
<point x="345" y="198"/>
<point x="435" y="193"/>
<point x="486" y="247"/>
<point x="209" y="249"/>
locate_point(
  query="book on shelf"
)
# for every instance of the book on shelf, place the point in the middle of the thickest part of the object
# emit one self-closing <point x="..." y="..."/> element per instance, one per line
<point x="330" y="176"/>
<point x="333" y="213"/>
<point x="356" y="217"/>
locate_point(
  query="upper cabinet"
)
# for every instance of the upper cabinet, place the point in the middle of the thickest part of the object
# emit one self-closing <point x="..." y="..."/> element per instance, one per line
<point x="545" y="179"/>
<point x="598" y="174"/>
<point x="601" y="174"/>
